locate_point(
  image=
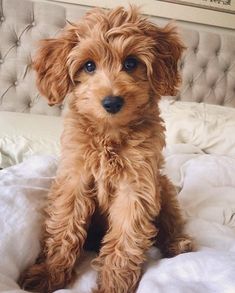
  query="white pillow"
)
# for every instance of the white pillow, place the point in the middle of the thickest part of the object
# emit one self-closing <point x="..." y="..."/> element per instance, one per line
<point x="23" y="135"/>
<point x="209" y="127"/>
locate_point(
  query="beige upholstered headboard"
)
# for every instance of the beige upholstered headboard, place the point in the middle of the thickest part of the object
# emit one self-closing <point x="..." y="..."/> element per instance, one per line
<point x="208" y="65"/>
<point x="208" y="68"/>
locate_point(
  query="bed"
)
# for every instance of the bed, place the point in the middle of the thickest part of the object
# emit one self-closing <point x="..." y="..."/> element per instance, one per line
<point x="200" y="154"/>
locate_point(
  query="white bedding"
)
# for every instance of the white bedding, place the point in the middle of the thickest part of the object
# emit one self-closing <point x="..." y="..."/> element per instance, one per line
<point x="23" y="135"/>
<point x="207" y="195"/>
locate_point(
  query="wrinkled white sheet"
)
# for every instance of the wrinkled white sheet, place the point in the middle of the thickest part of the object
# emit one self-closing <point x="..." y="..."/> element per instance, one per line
<point x="207" y="195"/>
<point x="207" y="126"/>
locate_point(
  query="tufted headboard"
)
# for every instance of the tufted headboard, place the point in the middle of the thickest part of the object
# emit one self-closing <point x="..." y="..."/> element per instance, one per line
<point x="208" y="65"/>
<point x="208" y="68"/>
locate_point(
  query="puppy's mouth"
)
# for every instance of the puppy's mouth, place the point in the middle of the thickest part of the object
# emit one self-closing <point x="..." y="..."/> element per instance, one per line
<point x="112" y="104"/>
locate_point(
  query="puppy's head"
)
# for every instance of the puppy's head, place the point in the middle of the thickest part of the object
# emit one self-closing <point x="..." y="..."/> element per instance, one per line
<point x="115" y="63"/>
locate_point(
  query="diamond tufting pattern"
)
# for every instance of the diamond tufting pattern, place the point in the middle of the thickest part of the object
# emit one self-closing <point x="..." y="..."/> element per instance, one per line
<point x="22" y="24"/>
<point x="208" y="68"/>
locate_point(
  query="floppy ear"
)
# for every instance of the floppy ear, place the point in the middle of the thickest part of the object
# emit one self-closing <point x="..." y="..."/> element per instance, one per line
<point x="50" y="64"/>
<point x="165" y="75"/>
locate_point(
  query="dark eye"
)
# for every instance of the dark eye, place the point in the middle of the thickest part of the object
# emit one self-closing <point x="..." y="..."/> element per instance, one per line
<point x="130" y="64"/>
<point x="90" y="66"/>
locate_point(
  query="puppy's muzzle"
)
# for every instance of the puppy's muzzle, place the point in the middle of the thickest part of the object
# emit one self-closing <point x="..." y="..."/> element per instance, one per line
<point x="112" y="104"/>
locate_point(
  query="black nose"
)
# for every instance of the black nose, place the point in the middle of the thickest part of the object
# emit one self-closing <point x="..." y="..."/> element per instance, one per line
<point x="112" y="104"/>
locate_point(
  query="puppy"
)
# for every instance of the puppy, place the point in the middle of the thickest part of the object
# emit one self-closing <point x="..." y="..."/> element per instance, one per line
<point x="116" y="65"/>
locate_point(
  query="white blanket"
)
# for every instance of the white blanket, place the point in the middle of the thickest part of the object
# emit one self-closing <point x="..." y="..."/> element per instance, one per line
<point x="207" y="195"/>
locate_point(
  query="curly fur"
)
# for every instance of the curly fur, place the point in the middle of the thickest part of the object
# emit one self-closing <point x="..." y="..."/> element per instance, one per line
<point x="109" y="181"/>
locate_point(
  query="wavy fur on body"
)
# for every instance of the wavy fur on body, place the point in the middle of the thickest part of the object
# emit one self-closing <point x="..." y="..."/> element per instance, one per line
<point x="109" y="182"/>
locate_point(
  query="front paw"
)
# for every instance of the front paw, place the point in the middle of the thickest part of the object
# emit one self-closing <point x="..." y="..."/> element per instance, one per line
<point x="117" y="280"/>
<point x="39" y="278"/>
<point x="35" y="279"/>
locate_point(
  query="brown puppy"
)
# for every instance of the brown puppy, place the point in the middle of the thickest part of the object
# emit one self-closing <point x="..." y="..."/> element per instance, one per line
<point x="116" y="65"/>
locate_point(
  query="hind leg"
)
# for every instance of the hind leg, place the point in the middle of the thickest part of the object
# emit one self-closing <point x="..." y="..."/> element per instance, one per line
<point x="171" y="239"/>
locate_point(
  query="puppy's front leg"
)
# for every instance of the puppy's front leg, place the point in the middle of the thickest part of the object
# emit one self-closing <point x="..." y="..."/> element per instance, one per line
<point x="71" y="204"/>
<point x="131" y="233"/>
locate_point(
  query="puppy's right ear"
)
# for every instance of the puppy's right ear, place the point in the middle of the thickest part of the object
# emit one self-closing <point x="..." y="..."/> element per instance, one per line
<point x="50" y="64"/>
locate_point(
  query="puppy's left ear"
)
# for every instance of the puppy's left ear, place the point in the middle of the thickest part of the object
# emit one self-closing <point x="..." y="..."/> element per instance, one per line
<point x="165" y="76"/>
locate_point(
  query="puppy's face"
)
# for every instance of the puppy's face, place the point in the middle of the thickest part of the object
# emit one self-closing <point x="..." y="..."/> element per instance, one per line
<point x="109" y="74"/>
<point x="114" y="63"/>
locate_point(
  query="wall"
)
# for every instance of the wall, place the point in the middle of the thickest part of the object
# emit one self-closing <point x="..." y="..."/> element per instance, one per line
<point x="167" y="10"/>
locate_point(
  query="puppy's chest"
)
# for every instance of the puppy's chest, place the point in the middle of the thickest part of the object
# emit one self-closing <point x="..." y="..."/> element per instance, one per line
<point x="107" y="165"/>
<point x="110" y="163"/>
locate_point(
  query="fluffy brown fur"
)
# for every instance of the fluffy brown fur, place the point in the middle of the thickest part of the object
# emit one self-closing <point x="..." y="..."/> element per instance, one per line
<point x="109" y="179"/>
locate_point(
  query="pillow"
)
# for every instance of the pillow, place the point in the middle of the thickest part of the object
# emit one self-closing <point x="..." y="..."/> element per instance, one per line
<point x="23" y="135"/>
<point x="209" y="127"/>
